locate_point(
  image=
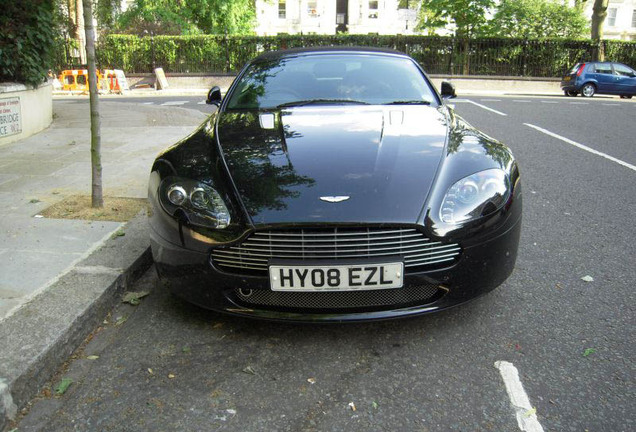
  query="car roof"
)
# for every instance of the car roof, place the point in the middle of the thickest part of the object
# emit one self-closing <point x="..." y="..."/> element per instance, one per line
<point x="275" y="55"/>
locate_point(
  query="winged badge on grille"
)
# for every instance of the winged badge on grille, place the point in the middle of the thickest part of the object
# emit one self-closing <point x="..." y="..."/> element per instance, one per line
<point x="334" y="199"/>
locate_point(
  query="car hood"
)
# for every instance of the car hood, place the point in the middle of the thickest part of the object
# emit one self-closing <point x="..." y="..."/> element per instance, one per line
<point x="383" y="158"/>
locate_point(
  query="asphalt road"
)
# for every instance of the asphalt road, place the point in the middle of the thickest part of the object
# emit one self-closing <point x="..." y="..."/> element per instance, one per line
<point x="167" y="365"/>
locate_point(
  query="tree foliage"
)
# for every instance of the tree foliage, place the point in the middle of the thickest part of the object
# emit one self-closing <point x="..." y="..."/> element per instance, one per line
<point x="27" y="36"/>
<point x="468" y="17"/>
<point x="106" y="13"/>
<point x="184" y="17"/>
<point x="537" y="19"/>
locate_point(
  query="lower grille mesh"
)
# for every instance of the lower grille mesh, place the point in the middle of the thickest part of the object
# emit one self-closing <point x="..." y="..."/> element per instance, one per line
<point x="414" y="295"/>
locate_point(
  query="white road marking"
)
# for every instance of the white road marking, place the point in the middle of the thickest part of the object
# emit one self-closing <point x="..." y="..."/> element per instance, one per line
<point x="550" y="102"/>
<point x="201" y="103"/>
<point x="169" y="103"/>
<point x="526" y="415"/>
<point x="521" y="101"/>
<point x="610" y="104"/>
<point x="486" y="108"/>
<point x="147" y="103"/>
<point x="582" y="147"/>
<point x="490" y="100"/>
<point x="580" y="103"/>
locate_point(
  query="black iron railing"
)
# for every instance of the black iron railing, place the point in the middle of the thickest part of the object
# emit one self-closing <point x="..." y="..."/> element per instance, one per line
<point x="438" y="55"/>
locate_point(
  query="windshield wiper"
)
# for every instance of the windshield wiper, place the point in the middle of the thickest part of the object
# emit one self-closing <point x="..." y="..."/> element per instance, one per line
<point x="321" y="102"/>
<point x="409" y="102"/>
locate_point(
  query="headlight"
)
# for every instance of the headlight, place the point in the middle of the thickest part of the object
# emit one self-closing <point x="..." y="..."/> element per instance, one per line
<point x="477" y="195"/>
<point x="201" y="203"/>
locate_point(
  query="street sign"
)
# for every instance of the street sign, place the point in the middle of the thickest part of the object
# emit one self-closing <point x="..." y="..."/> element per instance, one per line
<point x="10" y="117"/>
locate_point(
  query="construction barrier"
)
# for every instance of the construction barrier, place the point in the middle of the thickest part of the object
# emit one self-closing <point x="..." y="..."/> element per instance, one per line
<point x="111" y="80"/>
<point x="116" y="80"/>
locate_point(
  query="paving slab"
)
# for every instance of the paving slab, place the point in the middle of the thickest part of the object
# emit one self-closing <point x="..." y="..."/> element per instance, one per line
<point x="41" y="249"/>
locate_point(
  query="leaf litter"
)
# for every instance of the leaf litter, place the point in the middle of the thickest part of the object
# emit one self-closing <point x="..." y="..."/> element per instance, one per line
<point x="588" y="352"/>
<point x="134" y="297"/>
<point x="63" y="386"/>
<point x="249" y="370"/>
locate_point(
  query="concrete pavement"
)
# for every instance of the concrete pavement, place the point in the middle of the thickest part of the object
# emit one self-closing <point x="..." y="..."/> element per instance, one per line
<point x="58" y="276"/>
<point x="43" y="169"/>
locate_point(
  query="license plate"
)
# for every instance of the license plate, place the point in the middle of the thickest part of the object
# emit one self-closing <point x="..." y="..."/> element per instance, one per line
<point x="567" y="78"/>
<point x="336" y="277"/>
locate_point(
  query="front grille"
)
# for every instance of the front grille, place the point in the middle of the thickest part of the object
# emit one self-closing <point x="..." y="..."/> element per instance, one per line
<point x="397" y="297"/>
<point x="335" y="244"/>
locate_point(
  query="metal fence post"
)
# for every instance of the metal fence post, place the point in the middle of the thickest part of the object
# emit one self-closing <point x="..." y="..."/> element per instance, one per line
<point x="152" y="49"/>
<point x="227" y="51"/>
<point x="450" y="57"/>
<point x="524" y="58"/>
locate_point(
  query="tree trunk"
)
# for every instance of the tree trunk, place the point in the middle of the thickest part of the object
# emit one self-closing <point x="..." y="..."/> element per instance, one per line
<point x="599" y="13"/>
<point x="80" y="36"/>
<point x="97" y="199"/>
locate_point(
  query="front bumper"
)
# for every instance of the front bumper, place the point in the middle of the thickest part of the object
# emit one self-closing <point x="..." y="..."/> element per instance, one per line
<point x="480" y="269"/>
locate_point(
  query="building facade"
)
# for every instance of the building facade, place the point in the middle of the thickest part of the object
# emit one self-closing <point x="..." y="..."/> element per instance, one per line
<point x="384" y="17"/>
<point x="620" y="22"/>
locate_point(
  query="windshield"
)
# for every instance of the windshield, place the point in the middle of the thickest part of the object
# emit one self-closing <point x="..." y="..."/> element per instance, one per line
<point x="331" y="79"/>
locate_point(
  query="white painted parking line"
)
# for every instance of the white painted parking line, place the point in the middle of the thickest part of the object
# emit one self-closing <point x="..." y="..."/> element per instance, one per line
<point x="170" y="103"/>
<point x="201" y="103"/>
<point x="583" y="147"/>
<point x="490" y="100"/>
<point x="526" y="415"/>
<point x="610" y="104"/>
<point x="486" y="108"/>
<point x="147" y="103"/>
<point x="521" y="101"/>
<point x="580" y="103"/>
<point x="550" y="102"/>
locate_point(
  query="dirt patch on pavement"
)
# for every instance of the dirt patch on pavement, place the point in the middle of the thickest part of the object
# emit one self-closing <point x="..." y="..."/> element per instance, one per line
<point x="79" y="207"/>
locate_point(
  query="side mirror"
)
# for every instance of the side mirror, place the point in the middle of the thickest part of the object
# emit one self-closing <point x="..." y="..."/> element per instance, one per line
<point x="448" y="90"/>
<point x="214" y="96"/>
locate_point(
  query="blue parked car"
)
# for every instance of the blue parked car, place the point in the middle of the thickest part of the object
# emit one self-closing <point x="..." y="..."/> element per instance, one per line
<point x="600" y="77"/>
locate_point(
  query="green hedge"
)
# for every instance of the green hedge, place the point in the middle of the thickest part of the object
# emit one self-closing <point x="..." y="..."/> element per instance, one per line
<point x="27" y="38"/>
<point x="438" y="55"/>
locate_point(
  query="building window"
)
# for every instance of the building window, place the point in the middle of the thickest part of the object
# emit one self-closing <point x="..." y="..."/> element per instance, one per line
<point x="282" y="9"/>
<point x="312" y="8"/>
<point x="634" y="18"/>
<point x="373" y="9"/>
<point x="611" y="17"/>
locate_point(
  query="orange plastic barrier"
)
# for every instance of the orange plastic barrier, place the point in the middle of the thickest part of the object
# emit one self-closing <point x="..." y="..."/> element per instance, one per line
<point x="77" y="80"/>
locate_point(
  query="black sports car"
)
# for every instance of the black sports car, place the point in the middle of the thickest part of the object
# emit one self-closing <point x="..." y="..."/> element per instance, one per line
<point x="334" y="184"/>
